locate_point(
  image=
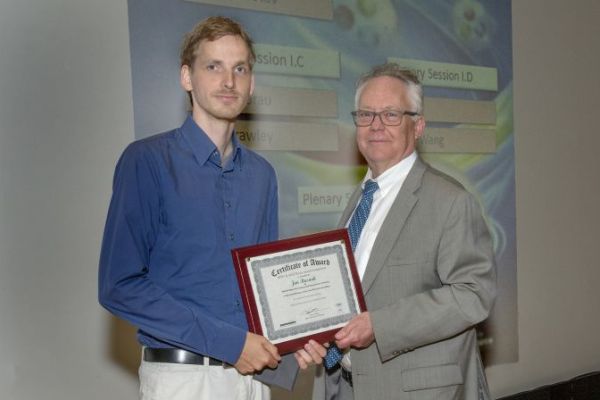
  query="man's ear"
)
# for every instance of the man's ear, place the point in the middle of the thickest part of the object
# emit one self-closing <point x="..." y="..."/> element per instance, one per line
<point x="419" y="127"/>
<point x="185" y="78"/>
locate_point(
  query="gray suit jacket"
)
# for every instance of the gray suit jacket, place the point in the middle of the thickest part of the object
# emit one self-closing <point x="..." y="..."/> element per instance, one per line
<point x="430" y="278"/>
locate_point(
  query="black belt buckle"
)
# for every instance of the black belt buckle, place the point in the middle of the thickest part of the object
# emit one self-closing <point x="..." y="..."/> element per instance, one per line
<point x="347" y="376"/>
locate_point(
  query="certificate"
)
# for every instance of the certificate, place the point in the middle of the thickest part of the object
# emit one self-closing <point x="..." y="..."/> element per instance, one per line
<point x="297" y="289"/>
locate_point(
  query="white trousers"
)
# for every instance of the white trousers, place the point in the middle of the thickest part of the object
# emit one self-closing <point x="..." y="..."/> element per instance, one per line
<point x="167" y="381"/>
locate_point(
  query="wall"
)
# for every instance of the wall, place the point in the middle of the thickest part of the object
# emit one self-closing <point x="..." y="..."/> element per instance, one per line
<point x="556" y="82"/>
<point x="66" y="114"/>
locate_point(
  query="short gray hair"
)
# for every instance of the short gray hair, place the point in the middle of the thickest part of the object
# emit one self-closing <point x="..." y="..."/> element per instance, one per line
<point x="393" y="70"/>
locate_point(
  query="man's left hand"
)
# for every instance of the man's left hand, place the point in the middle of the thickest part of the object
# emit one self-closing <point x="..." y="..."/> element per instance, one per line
<point x="357" y="333"/>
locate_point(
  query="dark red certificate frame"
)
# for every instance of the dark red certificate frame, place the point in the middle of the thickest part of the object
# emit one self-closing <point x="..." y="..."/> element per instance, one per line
<point x="241" y="268"/>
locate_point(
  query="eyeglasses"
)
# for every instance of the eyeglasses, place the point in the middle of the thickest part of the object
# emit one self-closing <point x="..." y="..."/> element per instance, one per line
<point x="387" y="117"/>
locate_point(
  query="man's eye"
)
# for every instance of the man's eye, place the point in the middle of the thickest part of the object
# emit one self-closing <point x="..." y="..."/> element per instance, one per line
<point x="392" y="115"/>
<point x="241" y="69"/>
<point x="365" y="114"/>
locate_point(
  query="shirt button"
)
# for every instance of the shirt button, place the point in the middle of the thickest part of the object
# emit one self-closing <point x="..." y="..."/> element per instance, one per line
<point x="227" y="204"/>
<point x="231" y="237"/>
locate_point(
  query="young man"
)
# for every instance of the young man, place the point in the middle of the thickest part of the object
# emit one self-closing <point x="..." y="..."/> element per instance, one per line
<point x="181" y="201"/>
<point x="425" y="258"/>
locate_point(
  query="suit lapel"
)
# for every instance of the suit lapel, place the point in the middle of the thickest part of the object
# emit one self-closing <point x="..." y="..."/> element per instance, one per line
<point x="393" y="223"/>
<point x="350" y="207"/>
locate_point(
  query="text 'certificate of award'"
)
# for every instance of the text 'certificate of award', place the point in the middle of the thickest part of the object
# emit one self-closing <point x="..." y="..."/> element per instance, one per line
<point x="299" y="289"/>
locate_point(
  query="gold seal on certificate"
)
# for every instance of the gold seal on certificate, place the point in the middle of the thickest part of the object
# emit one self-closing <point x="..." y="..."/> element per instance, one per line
<point x="299" y="288"/>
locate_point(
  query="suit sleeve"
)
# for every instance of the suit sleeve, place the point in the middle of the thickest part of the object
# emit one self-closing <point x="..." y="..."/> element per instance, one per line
<point x="464" y="263"/>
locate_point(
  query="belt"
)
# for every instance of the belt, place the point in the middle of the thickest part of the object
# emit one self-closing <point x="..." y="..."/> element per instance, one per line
<point x="179" y="356"/>
<point x="347" y="376"/>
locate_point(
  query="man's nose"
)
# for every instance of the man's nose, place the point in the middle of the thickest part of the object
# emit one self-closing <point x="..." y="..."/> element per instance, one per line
<point x="229" y="80"/>
<point x="377" y="123"/>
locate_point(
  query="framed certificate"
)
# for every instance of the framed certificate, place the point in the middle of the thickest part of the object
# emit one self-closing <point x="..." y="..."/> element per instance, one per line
<point x="301" y="288"/>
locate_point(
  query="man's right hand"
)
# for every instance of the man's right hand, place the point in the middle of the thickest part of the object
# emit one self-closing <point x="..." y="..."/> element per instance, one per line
<point x="257" y="354"/>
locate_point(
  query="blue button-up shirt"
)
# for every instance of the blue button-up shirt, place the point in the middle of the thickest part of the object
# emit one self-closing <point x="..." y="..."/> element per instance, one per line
<point x="174" y="217"/>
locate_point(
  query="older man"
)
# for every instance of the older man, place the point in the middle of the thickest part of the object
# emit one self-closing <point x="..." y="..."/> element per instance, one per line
<point x="425" y="258"/>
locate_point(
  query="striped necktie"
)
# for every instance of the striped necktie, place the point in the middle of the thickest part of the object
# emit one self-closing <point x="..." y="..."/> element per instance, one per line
<point x="334" y="354"/>
<point x="362" y="212"/>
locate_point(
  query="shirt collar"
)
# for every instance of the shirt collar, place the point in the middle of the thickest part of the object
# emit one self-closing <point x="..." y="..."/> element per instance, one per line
<point x="392" y="176"/>
<point x="203" y="148"/>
